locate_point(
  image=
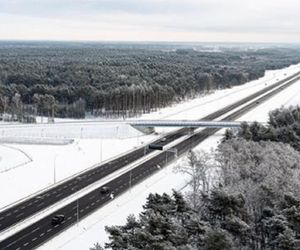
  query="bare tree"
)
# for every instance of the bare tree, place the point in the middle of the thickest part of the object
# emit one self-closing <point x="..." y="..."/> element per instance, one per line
<point x="17" y="105"/>
<point x="197" y="166"/>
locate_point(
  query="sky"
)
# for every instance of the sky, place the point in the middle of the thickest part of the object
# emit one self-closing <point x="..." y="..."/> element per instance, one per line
<point x="151" y="20"/>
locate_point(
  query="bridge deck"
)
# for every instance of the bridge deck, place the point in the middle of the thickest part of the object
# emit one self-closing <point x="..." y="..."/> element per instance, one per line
<point x="185" y="123"/>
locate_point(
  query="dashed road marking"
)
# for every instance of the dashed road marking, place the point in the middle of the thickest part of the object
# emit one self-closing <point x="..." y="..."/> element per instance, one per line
<point x="35" y="229"/>
<point x="19" y="215"/>
<point x="42" y="203"/>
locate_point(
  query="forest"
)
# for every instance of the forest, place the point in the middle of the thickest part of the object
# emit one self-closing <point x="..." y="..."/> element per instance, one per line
<point x="75" y="79"/>
<point x="254" y="203"/>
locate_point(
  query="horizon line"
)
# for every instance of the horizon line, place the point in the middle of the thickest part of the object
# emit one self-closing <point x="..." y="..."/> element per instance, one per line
<point x="144" y="41"/>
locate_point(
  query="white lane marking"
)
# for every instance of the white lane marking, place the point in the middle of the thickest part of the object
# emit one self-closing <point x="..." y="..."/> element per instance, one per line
<point x="19" y="215"/>
<point x="42" y="234"/>
<point x="42" y="203"/>
<point x="35" y="229"/>
<point x="34" y="239"/>
<point x="92" y="197"/>
<point x="12" y="243"/>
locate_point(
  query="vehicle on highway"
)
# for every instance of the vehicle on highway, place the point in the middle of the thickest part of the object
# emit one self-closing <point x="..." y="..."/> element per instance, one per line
<point x="163" y="139"/>
<point x="155" y="147"/>
<point x="57" y="219"/>
<point x="104" y="190"/>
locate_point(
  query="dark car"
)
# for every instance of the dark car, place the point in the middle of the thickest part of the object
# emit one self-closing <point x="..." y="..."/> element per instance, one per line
<point x="57" y="219"/>
<point x="104" y="190"/>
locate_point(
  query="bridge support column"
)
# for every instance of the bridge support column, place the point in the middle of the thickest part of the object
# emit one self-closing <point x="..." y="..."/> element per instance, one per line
<point x="145" y="130"/>
<point x="191" y="131"/>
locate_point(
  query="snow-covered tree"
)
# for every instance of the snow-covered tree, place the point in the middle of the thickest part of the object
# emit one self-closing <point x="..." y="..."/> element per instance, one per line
<point x="196" y="165"/>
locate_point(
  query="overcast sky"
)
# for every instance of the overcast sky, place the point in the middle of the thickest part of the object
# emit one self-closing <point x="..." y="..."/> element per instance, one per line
<point x="151" y="20"/>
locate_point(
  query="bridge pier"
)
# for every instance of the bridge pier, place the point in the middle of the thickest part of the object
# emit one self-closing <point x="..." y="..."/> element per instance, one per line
<point x="145" y="130"/>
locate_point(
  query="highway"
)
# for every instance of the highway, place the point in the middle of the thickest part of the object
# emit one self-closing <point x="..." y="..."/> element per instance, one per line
<point x="42" y="230"/>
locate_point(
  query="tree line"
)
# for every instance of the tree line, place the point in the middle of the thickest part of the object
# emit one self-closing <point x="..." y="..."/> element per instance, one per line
<point x="283" y="126"/>
<point x="254" y="203"/>
<point x="122" y="81"/>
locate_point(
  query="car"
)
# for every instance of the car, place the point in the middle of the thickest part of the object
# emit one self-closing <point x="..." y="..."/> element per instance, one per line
<point x="57" y="219"/>
<point x="104" y="190"/>
<point x="163" y="139"/>
<point x="155" y="146"/>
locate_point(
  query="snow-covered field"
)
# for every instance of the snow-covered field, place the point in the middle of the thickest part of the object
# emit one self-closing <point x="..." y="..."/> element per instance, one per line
<point x="12" y="157"/>
<point x="97" y="142"/>
<point x="53" y="163"/>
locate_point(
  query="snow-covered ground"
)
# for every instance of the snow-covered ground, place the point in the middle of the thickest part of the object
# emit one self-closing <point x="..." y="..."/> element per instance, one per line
<point x="52" y="163"/>
<point x="12" y="157"/>
<point x="97" y="142"/>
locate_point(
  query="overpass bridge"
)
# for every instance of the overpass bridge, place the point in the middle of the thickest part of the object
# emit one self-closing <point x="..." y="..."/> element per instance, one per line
<point x="147" y="126"/>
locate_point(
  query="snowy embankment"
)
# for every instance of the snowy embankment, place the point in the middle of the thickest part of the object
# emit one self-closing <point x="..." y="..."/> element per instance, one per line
<point x="91" y="229"/>
<point x="96" y="142"/>
<point x="40" y="141"/>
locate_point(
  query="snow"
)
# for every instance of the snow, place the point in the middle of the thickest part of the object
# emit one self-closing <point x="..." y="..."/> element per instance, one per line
<point x="35" y="140"/>
<point x="91" y="229"/>
<point x="75" y="129"/>
<point x="53" y="163"/>
<point x="95" y="142"/>
<point x="12" y="158"/>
